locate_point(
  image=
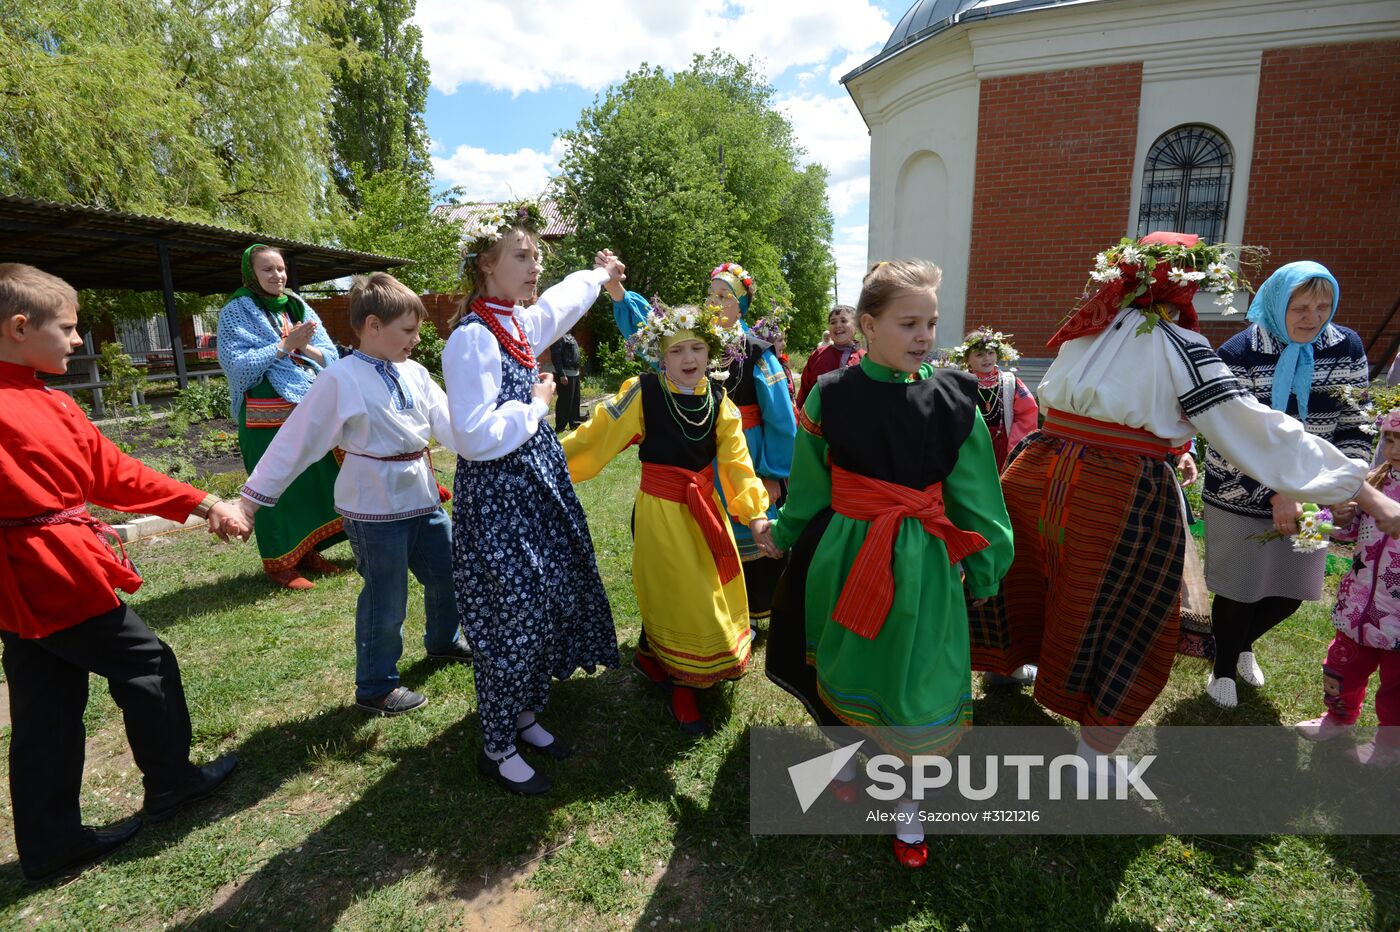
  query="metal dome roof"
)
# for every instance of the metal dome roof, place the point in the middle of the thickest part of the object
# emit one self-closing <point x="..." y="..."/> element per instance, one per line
<point x="927" y="18"/>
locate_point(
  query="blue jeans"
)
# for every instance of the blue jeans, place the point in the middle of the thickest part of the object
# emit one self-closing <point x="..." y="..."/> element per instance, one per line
<point x="385" y="552"/>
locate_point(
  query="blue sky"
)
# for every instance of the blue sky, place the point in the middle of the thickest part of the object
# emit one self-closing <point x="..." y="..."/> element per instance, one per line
<point x="508" y="75"/>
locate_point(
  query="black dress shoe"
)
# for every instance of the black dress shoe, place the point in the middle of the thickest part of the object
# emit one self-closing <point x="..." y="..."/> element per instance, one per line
<point x="537" y="785"/>
<point x="555" y="749"/>
<point x="102" y="843"/>
<point x="456" y="652"/>
<point x="161" y="806"/>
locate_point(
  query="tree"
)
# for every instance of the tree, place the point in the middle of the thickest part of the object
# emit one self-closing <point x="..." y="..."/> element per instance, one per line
<point x="207" y="110"/>
<point x="644" y="176"/>
<point x="378" y="94"/>
<point x="395" y="219"/>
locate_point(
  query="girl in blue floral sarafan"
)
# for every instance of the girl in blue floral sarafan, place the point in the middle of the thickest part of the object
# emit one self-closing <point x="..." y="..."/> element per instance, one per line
<point x="523" y="565"/>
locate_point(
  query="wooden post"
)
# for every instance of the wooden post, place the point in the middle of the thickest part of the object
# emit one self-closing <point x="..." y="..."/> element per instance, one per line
<point x="172" y="316"/>
<point x="99" y="409"/>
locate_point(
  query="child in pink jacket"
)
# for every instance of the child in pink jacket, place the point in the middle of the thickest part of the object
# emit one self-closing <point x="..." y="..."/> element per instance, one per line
<point x="1367" y="617"/>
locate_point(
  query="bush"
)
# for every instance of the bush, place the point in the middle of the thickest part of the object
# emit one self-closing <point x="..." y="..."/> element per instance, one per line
<point x="202" y="400"/>
<point x="429" y="349"/>
<point x="615" y="366"/>
<point x="123" y="377"/>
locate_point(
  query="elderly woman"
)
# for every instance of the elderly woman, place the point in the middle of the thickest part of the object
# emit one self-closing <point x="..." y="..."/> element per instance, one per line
<point x="271" y="347"/>
<point x="1295" y="360"/>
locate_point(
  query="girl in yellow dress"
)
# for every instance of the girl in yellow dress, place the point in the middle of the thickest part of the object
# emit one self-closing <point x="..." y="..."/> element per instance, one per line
<point x="685" y="565"/>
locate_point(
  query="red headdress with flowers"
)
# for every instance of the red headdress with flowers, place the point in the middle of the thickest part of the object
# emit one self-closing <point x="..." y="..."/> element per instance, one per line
<point x="1159" y="273"/>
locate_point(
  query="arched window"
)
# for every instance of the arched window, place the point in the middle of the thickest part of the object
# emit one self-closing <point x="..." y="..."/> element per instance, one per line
<point x="1186" y="183"/>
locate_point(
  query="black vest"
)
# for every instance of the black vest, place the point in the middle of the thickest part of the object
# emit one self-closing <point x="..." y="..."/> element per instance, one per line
<point x="740" y="384"/>
<point x="907" y="433"/>
<point x="664" y="442"/>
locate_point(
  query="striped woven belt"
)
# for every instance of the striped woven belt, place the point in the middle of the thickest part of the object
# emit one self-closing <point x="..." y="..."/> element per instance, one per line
<point x="1109" y="436"/>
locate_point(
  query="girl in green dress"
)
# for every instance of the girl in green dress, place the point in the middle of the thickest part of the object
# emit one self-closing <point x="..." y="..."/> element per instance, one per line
<point x="894" y="519"/>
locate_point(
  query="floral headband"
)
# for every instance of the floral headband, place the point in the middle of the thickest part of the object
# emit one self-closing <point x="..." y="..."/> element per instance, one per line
<point x="663" y="326"/>
<point x="771" y="328"/>
<point x="985" y="339"/>
<point x="492" y="224"/>
<point x="739" y="281"/>
<point x="1379" y="405"/>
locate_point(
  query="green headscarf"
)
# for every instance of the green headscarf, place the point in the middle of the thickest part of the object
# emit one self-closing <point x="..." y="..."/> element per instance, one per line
<point x="281" y="304"/>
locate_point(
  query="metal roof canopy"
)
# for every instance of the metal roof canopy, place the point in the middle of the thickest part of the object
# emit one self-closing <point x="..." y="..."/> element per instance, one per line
<point x="92" y="247"/>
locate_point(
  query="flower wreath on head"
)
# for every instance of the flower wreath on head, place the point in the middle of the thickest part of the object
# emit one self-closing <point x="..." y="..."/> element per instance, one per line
<point x="1159" y="274"/>
<point x="725" y="344"/>
<point x="489" y="226"/>
<point x="985" y="339"/>
<point x="732" y="274"/>
<point x="1379" y="404"/>
<point x="774" y="325"/>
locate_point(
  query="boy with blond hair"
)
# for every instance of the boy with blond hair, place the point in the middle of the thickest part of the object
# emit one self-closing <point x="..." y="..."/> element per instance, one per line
<point x="382" y="409"/>
<point x="59" y="616"/>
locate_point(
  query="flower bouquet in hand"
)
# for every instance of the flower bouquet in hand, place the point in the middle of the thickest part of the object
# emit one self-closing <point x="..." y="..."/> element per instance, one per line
<point x="1314" y="527"/>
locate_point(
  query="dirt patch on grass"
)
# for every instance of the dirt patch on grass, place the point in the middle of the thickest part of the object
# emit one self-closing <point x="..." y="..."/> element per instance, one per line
<point x="500" y="900"/>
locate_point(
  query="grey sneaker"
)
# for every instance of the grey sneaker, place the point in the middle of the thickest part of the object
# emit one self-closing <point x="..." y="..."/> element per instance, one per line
<point x="396" y="701"/>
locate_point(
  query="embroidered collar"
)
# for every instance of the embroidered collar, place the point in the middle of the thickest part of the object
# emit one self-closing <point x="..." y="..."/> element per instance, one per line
<point x="398" y="391"/>
<point x="1261" y="341"/>
<point x="499" y="305"/>
<point x="989" y="379"/>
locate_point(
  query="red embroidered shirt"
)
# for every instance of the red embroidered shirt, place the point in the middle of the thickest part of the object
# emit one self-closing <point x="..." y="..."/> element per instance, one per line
<point x="52" y="458"/>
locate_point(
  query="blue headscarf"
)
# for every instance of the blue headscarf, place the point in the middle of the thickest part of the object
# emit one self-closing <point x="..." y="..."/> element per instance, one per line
<point x="1294" y="373"/>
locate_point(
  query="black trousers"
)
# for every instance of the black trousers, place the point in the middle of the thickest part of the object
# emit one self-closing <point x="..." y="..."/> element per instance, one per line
<point x="1237" y="625"/>
<point x="566" y="400"/>
<point x="48" y="682"/>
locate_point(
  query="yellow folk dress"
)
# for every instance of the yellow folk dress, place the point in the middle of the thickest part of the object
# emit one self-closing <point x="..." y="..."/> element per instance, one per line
<point x="696" y="625"/>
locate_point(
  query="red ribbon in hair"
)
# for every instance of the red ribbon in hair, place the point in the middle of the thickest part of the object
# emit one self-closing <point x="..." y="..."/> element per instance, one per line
<point x="1093" y="316"/>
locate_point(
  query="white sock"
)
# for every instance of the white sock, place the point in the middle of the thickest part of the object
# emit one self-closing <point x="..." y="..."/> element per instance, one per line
<point x="1093" y="757"/>
<point x="532" y="732"/>
<point x="911" y="830"/>
<point x="512" y="766"/>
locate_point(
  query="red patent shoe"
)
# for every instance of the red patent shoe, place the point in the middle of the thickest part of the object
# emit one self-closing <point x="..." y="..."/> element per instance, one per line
<point x="844" y="790"/>
<point x="911" y="856"/>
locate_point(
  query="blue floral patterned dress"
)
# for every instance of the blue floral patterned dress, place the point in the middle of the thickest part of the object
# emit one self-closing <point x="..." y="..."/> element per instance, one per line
<point x="526" y="577"/>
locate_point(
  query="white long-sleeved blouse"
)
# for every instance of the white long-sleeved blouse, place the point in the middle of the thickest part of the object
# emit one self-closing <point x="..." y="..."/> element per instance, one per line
<point x="485" y="427"/>
<point x="369" y="408"/>
<point x="1170" y="382"/>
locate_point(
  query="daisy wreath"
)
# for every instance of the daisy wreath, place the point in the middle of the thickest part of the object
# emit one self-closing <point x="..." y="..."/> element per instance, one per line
<point x="649" y="342"/>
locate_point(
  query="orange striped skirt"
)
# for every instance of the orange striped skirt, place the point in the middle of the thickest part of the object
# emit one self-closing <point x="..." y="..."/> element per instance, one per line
<point x="1093" y="593"/>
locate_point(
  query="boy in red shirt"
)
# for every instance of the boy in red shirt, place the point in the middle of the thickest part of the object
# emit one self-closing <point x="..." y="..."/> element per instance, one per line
<point x="59" y="617"/>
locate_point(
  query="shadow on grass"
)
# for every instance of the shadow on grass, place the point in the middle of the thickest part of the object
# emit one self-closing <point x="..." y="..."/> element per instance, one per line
<point x="720" y="875"/>
<point x="433" y="811"/>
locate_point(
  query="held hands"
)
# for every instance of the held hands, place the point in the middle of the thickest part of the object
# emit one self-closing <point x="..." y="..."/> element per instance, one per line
<point x="543" y="390"/>
<point x="228" y="520"/>
<point x="1286" y="512"/>
<point x="774" y="489"/>
<point x="1343" y="514"/>
<point x="296" y="339"/>
<point x="762" y="530"/>
<point x="617" y="272"/>
<point x="1186" y="469"/>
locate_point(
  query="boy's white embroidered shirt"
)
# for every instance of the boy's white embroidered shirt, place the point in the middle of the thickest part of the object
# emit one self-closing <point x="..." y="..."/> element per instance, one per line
<point x="368" y="408"/>
<point x="485" y="427"/>
<point x="1170" y="383"/>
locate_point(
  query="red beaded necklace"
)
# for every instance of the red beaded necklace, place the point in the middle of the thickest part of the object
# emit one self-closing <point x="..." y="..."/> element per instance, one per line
<point x="515" y="344"/>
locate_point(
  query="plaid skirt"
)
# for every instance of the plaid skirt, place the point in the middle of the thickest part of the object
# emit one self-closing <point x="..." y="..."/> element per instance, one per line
<point x="1093" y="595"/>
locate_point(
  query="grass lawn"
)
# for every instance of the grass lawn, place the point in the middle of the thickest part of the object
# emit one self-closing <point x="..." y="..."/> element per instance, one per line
<point x="334" y="819"/>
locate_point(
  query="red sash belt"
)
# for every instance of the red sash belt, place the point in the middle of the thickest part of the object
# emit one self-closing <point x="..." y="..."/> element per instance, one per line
<point x="752" y="415"/>
<point x="1110" y="436"/>
<point x="79" y="515"/>
<point x="868" y="592"/>
<point x="695" y="491"/>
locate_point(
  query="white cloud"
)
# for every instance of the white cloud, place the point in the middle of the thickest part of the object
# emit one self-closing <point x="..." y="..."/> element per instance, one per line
<point x="488" y="176"/>
<point x="519" y="47"/>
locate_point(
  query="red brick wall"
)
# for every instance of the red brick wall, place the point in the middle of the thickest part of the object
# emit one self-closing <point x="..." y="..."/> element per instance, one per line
<point x="1324" y="183"/>
<point x="334" y="311"/>
<point x="1055" y="165"/>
